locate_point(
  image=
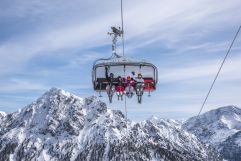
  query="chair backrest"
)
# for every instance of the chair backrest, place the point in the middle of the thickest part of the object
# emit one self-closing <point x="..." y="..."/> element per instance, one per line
<point x="149" y="84"/>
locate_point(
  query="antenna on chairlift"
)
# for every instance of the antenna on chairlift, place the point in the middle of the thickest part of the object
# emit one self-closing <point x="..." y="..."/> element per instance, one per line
<point x="115" y="34"/>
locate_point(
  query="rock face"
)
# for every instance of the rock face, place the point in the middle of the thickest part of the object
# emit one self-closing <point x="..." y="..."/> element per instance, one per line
<point x="221" y="129"/>
<point x="61" y="126"/>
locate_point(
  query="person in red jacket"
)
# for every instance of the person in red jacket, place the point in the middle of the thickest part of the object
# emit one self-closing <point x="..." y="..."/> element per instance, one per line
<point x="120" y="88"/>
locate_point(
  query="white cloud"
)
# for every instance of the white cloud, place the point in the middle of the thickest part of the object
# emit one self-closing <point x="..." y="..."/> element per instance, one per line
<point x="183" y="26"/>
<point x="165" y="19"/>
<point x="22" y="85"/>
<point x="203" y="70"/>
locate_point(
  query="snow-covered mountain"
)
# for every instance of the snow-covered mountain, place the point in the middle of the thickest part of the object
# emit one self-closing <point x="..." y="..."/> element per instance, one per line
<point x="221" y="129"/>
<point x="2" y="115"/>
<point x="62" y="126"/>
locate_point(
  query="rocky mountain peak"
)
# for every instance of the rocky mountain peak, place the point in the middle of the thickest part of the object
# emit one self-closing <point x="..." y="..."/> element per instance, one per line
<point x="2" y="114"/>
<point x="227" y="117"/>
<point x="62" y="126"/>
<point x="225" y="111"/>
<point x="220" y="128"/>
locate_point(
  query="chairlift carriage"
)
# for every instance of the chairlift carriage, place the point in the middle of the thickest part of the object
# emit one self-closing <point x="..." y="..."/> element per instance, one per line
<point x="122" y="66"/>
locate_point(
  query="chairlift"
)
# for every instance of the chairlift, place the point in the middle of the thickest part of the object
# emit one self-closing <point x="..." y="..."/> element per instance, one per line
<point x="122" y="66"/>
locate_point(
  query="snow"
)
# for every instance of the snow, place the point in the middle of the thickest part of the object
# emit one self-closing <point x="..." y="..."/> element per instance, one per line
<point x="219" y="128"/>
<point x="227" y="121"/>
<point x="232" y="121"/>
<point x="220" y="123"/>
<point x="11" y="157"/>
<point x="238" y="141"/>
<point x="2" y="114"/>
<point x="237" y="117"/>
<point x="60" y="125"/>
<point x="44" y="155"/>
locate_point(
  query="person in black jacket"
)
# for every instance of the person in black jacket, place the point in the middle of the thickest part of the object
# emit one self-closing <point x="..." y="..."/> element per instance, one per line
<point x="110" y="88"/>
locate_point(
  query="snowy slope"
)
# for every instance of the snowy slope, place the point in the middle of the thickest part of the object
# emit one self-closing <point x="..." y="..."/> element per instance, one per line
<point x="220" y="128"/>
<point x="2" y="114"/>
<point x="61" y="126"/>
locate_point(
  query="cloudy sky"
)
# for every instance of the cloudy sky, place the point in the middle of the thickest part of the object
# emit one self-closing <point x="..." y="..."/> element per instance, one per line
<point x="46" y="44"/>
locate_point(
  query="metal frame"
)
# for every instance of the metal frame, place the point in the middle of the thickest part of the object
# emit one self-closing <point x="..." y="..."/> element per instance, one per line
<point x="122" y="62"/>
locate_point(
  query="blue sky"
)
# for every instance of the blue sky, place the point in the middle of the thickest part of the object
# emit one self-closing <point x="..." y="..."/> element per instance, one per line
<point x="46" y="44"/>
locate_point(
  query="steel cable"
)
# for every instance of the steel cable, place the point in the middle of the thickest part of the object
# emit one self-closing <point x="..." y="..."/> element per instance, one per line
<point x="220" y="68"/>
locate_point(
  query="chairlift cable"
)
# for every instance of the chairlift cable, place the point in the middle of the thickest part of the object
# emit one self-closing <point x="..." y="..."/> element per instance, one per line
<point x="220" y="68"/>
<point x="123" y="50"/>
<point x="122" y="28"/>
<point x="125" y="96"/>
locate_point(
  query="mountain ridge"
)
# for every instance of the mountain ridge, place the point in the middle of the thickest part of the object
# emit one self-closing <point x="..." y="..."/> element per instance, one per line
<point x="2" y="114"/>
<point x="221" y="129"/>
<point x="62" y="126"/>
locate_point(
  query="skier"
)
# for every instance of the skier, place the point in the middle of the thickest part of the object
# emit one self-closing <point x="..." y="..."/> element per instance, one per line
<point x="110" y="88"/>
<point x="129" y="86"/>
<point x="139" y="81"/>
<point x="120" y="88"/>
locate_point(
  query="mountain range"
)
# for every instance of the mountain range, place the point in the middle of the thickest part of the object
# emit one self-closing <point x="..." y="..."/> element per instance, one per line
<point x="63" y="126"/>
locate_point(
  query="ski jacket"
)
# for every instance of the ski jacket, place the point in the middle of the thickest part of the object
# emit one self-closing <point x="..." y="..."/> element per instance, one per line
<point x="121" y="83"/>
<point x="108" y="78"/>
<point x="130" y="82"/>
<point x="139" y="81"/>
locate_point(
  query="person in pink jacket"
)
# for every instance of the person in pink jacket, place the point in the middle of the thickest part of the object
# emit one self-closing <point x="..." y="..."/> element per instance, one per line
<point x="129" y="86"/>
